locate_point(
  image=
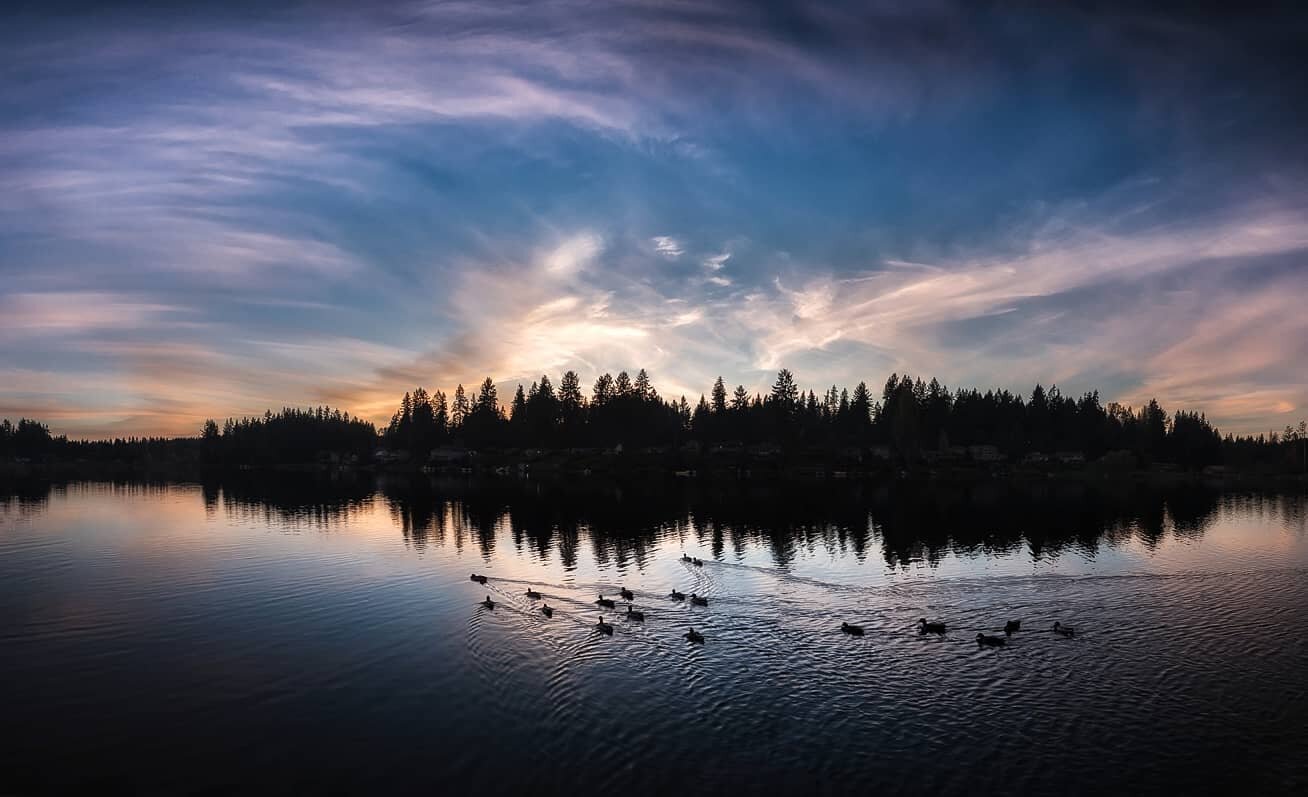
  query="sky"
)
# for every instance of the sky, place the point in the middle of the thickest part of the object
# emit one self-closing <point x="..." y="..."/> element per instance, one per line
<point x="206" y="212"/>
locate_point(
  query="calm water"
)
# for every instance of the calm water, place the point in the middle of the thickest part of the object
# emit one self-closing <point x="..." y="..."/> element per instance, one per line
<point x="326" y="636"/>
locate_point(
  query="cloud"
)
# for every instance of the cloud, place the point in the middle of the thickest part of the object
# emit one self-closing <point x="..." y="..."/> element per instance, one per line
<point x="1077" y="303"/>
<point x="573" y="254"/>
<point x="716" y="262"/>
<point x="201" y="217"/>
<point x="667" y="246"/>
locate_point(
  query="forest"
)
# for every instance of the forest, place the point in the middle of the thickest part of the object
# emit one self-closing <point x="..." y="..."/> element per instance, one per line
<point x="909" y="421"/>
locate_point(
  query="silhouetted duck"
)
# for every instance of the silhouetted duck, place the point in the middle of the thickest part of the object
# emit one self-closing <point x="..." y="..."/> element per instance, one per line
<point x="632" y="614"/>
<point x="990" y="641"/>
<point x="533" y="594"/>
<point x="1064" y="630"/>
<point x="686" y="558"/>
<point x="930" y="628"/>
<point x="626" y="594"/>
<point x="697" y="600"/>
<point x="488" y="603"/>
<point x="605" y="602"/>
<point x="856" y="630"/>
<point x="547" y="610"/>
<point x="694" y="636"/>
<point x="603" y="627"/>
<point x="699" y="563"/>
<point x="477" y="578"/>
<point x="1011" y="626"/>
<point x="677" y="596"/>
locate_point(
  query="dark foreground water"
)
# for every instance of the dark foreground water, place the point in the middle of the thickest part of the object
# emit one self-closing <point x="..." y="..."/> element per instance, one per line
<point x="316" y="638"/>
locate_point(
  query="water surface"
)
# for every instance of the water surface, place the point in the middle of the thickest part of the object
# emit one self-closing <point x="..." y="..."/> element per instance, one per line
<point x="262" y="634"/>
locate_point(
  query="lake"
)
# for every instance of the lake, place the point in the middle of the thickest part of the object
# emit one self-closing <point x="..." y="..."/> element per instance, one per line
<point x="290" y="633"/>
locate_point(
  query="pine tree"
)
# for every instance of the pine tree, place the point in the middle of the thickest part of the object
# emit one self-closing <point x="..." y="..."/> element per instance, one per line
<point x="622" y="386"/>
<point x="459" y="412"/>
<point x="487" y="402"/>
<point x="740" y="399"/>
<point x="719" y="397"/>
<point x="642" y="388"/>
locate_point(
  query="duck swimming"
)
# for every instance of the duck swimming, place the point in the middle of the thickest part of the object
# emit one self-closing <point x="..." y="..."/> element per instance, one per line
<point x="1011" y="626"/>
<point x="990" y="641"/>
<point x="1064" y="630"/>
<point x="488" y="603"/>
<point x="477" y="578"/>
<point x="697" y="600"/>
<point x="699" y="562"/>
<point x="603" y="627"/>
<point x="930" y="628"/>
<point x="854" y="630"/>
<point x="632" y="614"/>
<point x="686" y="558"/>
<point x="605" y="602"/>
<point x="626" y="594"/>
<point x="547" y="610"/>
<point x="694" y="636"/>
<point x="533" y="594"/>
<point x="677" y="596"/>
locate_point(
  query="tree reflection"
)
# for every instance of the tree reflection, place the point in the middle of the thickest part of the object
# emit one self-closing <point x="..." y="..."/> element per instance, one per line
<point x="906" y="522"/>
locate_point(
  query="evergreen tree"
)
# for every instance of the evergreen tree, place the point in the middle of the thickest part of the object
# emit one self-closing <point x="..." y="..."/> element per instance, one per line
<point x="740" y="399"/>
<point x="719" y="397"/>
<point x="461" y="408"/>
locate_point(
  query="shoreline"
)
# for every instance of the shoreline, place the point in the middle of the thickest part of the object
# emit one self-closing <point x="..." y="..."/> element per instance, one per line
<point x="501" y="470"/>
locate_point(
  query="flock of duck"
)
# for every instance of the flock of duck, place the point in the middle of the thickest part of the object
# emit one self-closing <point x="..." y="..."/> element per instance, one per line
<point x="924" y="627"/>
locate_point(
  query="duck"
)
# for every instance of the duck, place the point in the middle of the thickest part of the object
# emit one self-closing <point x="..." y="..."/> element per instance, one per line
<point x="854" y="630"/>
<point x="605" y="602"/>
<point x="694" y="636"/>
<point x="1011" y="626"/>
<point x="626" y="594"/>
<point x="930" y="628"/>
<point x="1064" y="630"/>
<point x="686" y="558"/>
<point x="547" y="610"/>
<point x="488" y="603"/>
<point x="477" y="578"/>
<point x="677" y="596"/>
<point x="697" y="600"/>
<point x="990" y="641"/>
<point x="632" y="614"/>
<point x="533" y="594"/>
<point x="699" y="562"/>
<point x="603" y="627"/>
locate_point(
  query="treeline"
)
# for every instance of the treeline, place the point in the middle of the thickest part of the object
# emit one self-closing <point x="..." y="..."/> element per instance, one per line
<point x="30" y="440"/>
<point x="911" y="419"/>
<point x="908" y="421"/>
<point x="292" y="436"/>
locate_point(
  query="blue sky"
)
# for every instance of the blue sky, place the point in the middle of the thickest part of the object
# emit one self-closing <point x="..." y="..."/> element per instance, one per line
<point x="210" y="213"/>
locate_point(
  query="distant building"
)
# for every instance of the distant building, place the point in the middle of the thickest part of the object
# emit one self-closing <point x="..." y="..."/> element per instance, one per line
<point x="1070" y="457"/>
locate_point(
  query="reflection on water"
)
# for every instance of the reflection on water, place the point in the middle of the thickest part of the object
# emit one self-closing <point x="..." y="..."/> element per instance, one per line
<point x="305" y="634"/>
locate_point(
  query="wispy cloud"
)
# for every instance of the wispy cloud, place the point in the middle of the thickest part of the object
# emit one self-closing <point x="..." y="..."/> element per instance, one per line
<point x="199" y="216"/>
<point x="668" y="246"/>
